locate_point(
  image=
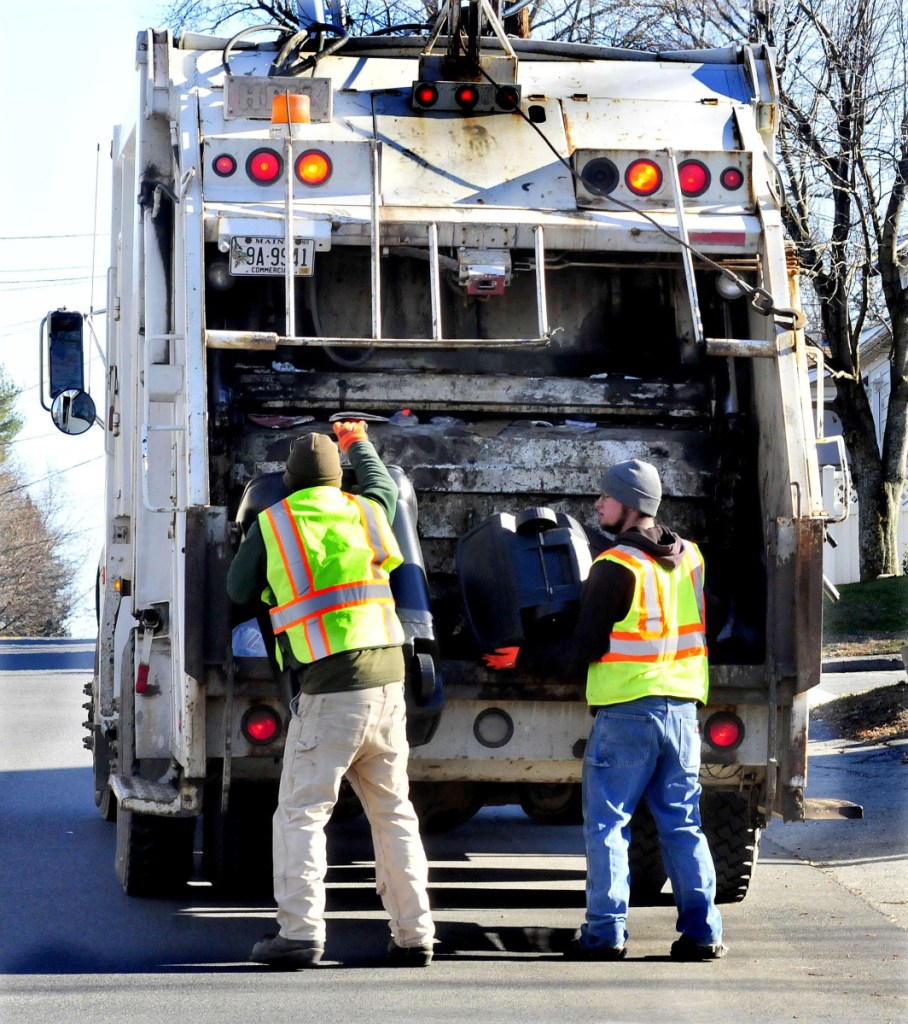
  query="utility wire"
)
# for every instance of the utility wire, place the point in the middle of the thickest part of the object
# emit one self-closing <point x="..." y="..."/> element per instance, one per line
<point x="50" y="476"/>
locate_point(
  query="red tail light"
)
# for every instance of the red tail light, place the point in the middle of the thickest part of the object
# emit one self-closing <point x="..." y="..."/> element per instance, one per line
<point x="264" y="166"/>
<point x="466" y="97"/>
<point x="224" y="165"/>
<point x="643" y="177"/>
<point x="731" y="178"/>
<point x="507" y="97"/>
<point x="261" y="724"/>
<point x="425" y="94"/>
<point x="313" y="167"/>
<point x="724" y="731"/>
<point x="694" y="177"/>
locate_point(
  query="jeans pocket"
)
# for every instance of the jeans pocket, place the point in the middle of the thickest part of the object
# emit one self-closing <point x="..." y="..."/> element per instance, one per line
<point x="620" y="741"/>
<point x="689" y="743"/>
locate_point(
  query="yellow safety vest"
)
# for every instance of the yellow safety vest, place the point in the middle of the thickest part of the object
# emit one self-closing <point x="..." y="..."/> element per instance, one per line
<point x="329" y="555"/>
<point x="659" y="648"/>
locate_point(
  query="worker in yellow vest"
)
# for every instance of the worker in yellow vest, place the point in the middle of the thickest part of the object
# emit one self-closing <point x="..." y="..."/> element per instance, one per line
<point x="641" y="639"/>
<point x="321" y="559"/>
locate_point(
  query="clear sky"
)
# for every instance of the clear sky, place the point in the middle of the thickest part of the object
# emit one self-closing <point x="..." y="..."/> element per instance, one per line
<point x="67" y="76"/>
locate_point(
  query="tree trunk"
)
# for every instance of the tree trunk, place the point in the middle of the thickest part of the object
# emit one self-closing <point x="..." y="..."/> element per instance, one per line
<point x="874" y="514"/>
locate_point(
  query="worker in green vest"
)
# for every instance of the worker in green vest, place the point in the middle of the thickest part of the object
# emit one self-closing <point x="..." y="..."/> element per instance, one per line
<point x="320" y="559"/>
<point x="641" y="639"/>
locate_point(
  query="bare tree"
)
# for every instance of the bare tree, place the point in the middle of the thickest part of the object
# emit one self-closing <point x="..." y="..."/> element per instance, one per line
<point x="844" y="148"/>
<point x="843" y="153"/>
<point x="36" y="578"/>
<point x="36" y="581"/>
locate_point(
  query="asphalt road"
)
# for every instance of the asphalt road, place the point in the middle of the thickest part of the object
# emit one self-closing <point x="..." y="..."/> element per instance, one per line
<point x="821" y="937"/>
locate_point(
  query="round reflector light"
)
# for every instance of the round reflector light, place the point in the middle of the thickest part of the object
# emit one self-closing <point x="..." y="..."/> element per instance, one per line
<point x="425" y="94"/>
<point x="224" y="165"/>
<point x="261" y="724"/>
<point x="600" y="176"/>
<point x="264" y="166"/>
<point x="493" y="727"/>
<point x="724" y="731"/>
<point x="643" y="177"/>
<point x="466" y="97"/>
<point x="694" y="177"/>
<point x="313" y="167"/>
<point x="731" y="178"/>
<point x="507" y="98"/>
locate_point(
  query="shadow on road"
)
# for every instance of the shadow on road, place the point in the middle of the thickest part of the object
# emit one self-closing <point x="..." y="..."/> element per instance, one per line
<point x="65" y="912"/>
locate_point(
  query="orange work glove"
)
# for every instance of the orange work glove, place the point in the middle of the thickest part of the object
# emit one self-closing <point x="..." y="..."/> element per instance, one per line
<point x="504" y="657"/>
<point x="349" y="432"/>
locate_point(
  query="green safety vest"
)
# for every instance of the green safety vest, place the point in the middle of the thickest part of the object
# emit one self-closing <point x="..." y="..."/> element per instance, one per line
<point x="329" y="555"/>
<point x="659" y="648"/>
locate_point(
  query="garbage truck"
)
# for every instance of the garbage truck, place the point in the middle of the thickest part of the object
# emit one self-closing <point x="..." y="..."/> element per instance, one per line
<point x="520" y="261"/>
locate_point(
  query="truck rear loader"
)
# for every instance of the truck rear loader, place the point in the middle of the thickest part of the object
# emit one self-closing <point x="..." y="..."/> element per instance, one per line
<point x="522" y="261"/>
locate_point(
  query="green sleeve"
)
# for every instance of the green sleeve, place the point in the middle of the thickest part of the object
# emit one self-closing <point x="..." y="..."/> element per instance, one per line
<point x="374" y="480"/>
<point x="247" y="576"/>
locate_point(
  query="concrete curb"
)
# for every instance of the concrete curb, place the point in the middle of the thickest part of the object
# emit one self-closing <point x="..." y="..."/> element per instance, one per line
<point x="870" y="663"/>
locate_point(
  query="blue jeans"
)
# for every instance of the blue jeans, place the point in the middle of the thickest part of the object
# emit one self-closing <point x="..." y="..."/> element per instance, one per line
<point x="648" y="747"/>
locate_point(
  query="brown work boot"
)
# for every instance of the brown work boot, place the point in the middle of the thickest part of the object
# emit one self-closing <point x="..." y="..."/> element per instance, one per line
<point x="288" y="954"/>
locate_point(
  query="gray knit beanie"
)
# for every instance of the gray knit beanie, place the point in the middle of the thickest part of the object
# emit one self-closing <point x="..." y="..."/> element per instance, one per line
<point x="635" y="484"/>
<point x="313" y="462"/>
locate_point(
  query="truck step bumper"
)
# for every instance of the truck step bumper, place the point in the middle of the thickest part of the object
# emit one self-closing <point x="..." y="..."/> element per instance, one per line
<point x="826" y="808"/>
<point x="146" y="797"/>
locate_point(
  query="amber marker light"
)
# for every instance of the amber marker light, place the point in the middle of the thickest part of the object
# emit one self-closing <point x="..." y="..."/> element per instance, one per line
<point x="313" y="167"/>
<point x="643" y="177"/>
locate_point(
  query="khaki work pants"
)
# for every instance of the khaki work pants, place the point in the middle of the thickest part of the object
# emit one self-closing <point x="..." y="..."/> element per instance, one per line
<point x="360" y="734"/>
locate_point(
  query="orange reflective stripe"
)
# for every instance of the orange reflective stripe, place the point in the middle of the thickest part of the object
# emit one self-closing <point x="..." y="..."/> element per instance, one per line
<point x="293" y="554"/>
<point x="329" y="599"/>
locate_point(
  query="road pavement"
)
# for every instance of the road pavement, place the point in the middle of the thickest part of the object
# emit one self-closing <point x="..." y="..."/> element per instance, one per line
<point x="816" y="940"/>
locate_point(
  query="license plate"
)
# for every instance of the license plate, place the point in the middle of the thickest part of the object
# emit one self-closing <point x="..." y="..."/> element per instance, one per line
<point x="252" y="256"/>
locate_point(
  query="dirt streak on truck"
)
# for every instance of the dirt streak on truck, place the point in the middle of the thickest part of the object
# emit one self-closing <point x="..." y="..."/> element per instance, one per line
<point x="523" y="261"/>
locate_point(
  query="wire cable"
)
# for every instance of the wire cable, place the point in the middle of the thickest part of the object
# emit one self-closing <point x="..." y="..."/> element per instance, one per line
<point x="760" y="299"/>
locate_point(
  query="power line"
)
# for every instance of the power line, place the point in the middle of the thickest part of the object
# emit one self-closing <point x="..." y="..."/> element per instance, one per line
<point x="50" y="476"/>
<point x="29" y="238"/>
<point x="50" y="280"/>
<point x="35" y="270"/>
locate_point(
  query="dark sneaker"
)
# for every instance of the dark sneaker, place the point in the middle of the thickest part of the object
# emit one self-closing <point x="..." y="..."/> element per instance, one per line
<point x="575" y="951"/>
<point x="409" y="956"/>
<point x="288" y="954"/>
<point x="688" y="950"/>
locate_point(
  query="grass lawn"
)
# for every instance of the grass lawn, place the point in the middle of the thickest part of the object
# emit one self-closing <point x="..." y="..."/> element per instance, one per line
<point x="871" y="618"/>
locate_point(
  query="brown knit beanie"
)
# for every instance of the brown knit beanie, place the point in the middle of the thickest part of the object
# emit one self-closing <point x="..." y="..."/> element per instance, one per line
<point x="313" y="462"/>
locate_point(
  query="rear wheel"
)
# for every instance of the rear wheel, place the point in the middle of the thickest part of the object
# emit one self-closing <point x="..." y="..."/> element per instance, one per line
<point x="236" y="845"/>
<point x="647" y="870"/>
<point x="443" y="806"/>
<point x="101" y="753"/>
<point x="154" y="853"/>
<point x="734" y="841"/>
<point x="552" y="803"/>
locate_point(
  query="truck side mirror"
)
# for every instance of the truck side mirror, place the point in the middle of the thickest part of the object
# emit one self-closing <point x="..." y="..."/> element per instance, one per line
<point x="71" y="408"/>
<point x="66" y="358"/>
<point x="73" y="411"/>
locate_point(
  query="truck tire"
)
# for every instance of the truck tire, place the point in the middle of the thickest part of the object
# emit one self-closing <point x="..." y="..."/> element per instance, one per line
<point x="552" y="803"/>
<point x="236" y="846"/>
<point x="734" y="841"/>
<point x="101" y="752"/>
<point x="647" y="870"/>
<point x="444" y="806"/>
<point x="154" y="853"/>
